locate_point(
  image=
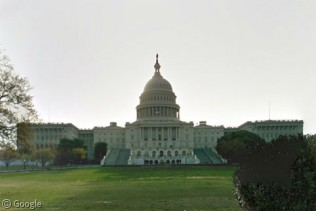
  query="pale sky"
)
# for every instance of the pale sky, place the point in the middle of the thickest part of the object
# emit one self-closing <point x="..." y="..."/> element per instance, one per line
<point x="88" y="61"/>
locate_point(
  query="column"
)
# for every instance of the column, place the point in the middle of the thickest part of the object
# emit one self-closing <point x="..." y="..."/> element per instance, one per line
<point x="149" y="133"/>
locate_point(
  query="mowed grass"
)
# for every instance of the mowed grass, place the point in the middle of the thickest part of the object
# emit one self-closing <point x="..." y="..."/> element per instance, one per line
<point x="124" y="188"/>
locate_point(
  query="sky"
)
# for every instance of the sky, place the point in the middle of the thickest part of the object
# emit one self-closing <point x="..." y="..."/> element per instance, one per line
<point x="228" y="61"/>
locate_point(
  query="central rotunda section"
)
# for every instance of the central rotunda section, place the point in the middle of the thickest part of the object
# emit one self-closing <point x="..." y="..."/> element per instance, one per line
<point x="158" y="100"/>
<point x="158" y="136"/>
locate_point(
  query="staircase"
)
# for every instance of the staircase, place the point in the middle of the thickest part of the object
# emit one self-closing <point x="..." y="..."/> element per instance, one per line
<point x="202" y="156"/>
<point x="123" y="157"/>
<point x="208" y="156"/>
<point x="117" y="157"/>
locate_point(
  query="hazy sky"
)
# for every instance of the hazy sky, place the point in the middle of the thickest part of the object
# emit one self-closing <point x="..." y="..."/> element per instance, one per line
<point x="88" y="61"/>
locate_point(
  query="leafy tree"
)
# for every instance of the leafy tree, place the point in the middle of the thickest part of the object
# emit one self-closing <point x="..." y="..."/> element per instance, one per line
<point x="78" y="154"/>
<point x="303" y="188"/>
<point x="100" y="150"/>
<point x="8" y="154"/>
<point x="66" y="144"/>
<point x="278" y="176"/>
<point x="64" y="148"/>
<point x="237" y="145"/>
<point x="15" y="101"/>
<point x="44" y="155"/>
<point x="65" y="153"/>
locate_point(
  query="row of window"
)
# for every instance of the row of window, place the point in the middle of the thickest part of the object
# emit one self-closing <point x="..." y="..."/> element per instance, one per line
<point x="111" y="140"/>
<point x="47" y="130"/>
<point x="156" y="98"/>
<point x="205" y="139"/>
<point x="109" y="134"/>
<point x="207" y="133"/>
<point x="161" y="153"/>
<point x="276" y="127"/>
<point x="51" y="137"/>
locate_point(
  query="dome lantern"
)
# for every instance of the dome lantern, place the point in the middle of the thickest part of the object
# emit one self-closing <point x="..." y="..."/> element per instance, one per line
<point x="157" y="65"/>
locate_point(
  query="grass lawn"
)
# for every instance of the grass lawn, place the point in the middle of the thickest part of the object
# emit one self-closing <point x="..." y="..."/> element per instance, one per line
<point x="128" y="188"/>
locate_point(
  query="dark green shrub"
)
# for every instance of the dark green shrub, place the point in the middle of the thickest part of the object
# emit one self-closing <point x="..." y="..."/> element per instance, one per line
<point x="278" y="176"/>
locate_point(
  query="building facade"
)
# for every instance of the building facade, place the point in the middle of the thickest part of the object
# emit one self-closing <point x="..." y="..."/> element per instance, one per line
<point x="158" y="136"/>
<point x="270" y="130"/>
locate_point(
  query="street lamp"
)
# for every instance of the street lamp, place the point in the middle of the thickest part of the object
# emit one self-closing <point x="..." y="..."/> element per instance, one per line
<point x="24" y="163"/>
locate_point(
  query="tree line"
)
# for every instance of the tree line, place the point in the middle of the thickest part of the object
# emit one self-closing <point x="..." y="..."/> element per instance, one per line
<point x="68" y="151"/>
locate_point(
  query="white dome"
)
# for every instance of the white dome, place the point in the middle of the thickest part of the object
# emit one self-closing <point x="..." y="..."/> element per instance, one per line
<point x="157" y="100"/>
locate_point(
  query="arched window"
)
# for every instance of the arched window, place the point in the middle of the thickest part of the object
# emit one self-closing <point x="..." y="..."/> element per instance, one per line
<point x="176" y="153"/>
<point x="169" y="153"/>
<point x="161" y="153"/>
<point x="139" y="153"/>
<point x="184" y="153"/>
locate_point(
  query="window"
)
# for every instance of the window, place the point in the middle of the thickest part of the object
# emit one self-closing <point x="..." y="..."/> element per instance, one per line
<point x="169" y="153"/>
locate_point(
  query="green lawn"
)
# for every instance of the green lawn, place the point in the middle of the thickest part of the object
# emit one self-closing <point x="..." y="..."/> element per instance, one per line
<point x="129" y="188"/>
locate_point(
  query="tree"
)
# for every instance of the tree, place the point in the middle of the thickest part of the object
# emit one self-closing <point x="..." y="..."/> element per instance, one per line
<point x="15" y="101"/>
<point x="8" y="154"/>
<point x="44" y="155"/>
<point x="235" y="146"/>
<point x="65" y="153"/>
<point x="303" y="188"/>
<point x="100" y="149"/>
<point x="78" y="154"/>
<point x="279" y="176"/>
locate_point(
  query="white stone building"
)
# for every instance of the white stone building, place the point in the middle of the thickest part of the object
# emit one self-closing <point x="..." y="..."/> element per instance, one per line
<point x="270" y="130"/>
<point x="158" y="136"/>
<point x="49" y="134"/>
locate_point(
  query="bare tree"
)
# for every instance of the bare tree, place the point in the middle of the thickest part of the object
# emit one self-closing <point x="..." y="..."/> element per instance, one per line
<point x="8" y="154"/>
<point x="15" y="101"/>
<point x="44" y="155"/>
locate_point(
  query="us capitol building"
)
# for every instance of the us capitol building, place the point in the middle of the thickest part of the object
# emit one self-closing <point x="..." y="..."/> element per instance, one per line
<point x="158" y="136"/>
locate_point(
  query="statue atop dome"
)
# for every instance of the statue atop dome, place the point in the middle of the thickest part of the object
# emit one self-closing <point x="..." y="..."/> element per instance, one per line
<point x="157" y="65"/>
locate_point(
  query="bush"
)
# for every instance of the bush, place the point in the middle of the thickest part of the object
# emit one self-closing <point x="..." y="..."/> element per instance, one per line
<point x="237" y="145"/>
<point x="279" y="176"/>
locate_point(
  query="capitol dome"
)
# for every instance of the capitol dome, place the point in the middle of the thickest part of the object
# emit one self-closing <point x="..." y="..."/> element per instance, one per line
<point x="157" y="82"/>
<point x="157" y="101"/>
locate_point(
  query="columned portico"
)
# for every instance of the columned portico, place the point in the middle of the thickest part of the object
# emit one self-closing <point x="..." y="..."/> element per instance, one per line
<point x="159" y="133"/>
